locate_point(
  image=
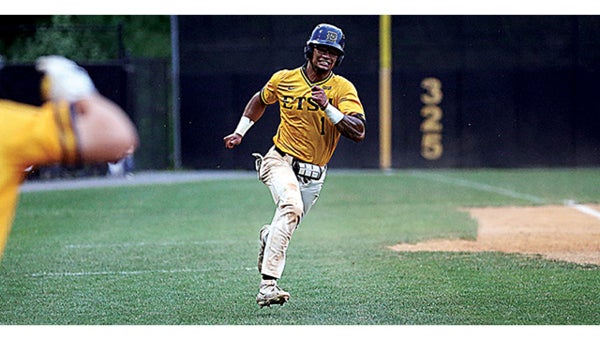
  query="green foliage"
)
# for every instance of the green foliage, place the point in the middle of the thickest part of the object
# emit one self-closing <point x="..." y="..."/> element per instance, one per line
<point x="185" y="254"/>
<point x="93" y="38"/>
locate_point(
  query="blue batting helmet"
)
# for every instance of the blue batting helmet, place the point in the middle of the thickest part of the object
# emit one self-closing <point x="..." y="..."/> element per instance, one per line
<point x="326" y="35"/>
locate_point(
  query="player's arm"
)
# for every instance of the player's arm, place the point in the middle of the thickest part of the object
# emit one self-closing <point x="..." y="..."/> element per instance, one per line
<point x="105" y="133"/>
<point x="351" y="126"/>
<point x="252" y="113"/>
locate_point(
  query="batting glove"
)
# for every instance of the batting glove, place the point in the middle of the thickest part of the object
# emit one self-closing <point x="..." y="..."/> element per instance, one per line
<point x="64" y="79"/>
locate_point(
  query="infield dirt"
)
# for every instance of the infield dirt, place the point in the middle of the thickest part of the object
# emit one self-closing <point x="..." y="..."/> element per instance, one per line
<point x="555" y="232"/>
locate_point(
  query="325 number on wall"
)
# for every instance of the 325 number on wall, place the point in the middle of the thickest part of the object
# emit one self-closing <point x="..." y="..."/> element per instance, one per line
<point x="431" y="127"/>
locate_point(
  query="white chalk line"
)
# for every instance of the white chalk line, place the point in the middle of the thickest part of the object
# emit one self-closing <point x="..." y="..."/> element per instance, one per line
<point x="116" y="273"/>
<point x="132" y="272"/>
<point x="143" y="244"/>
<point x="502" y="191"/>
<point x="583" y="208"/>
<point x="478" y="186"/>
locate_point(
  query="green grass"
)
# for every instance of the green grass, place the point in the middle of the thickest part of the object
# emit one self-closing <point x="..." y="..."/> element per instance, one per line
<point x="185" y="254"/>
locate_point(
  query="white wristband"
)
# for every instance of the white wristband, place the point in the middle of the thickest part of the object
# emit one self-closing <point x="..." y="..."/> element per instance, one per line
<point x="334" y="115"/>
<point x="243" y="126"/>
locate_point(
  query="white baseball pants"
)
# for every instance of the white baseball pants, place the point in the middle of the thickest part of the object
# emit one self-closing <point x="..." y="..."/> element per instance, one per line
<point x="293" y="198"/>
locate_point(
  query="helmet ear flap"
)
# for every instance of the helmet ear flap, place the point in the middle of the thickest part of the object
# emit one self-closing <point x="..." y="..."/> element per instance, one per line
<point x="308" y="51"/>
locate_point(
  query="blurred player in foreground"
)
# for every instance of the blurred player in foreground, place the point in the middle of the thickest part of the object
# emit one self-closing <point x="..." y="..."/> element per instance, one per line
<point x="75" y="125"/>
<point x="316" y="108"/>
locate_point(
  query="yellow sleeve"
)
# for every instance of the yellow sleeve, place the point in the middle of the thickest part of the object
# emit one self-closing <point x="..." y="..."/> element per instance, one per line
<point x="38" y="135"/>
<point x="268" y="94"/>
<point x="349" y="102"/>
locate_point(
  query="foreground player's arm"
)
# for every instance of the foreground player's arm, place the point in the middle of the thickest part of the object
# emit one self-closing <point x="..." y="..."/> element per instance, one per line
<point x="252" y="113"/>
<point x="105" y="133"/>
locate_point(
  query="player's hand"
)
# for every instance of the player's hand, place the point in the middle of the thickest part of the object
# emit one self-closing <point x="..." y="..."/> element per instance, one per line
<point x="319" y="96"/>
<point x="232" y="140"/>
<point x="64" y="79"/>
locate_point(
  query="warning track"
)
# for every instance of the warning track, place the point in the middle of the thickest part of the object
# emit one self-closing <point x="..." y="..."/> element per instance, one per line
<point x="141" y="178"/>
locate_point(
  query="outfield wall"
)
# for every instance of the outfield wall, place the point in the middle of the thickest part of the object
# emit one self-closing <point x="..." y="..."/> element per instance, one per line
<point x="518" y="91"/>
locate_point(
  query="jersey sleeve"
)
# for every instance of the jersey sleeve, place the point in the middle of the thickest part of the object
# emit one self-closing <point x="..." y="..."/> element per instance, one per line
<point x="46" y="134"/>
<point x="64" y="117"/>
<point x="349" y="102"/>
<point x="268" y="93"/>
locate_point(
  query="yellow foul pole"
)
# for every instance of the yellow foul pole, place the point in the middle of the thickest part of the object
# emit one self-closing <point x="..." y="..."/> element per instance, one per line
<point x="385" y="89"/>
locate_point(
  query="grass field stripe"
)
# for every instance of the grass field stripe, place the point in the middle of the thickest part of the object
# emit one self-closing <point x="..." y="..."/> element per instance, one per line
<point x="478" y="186"/>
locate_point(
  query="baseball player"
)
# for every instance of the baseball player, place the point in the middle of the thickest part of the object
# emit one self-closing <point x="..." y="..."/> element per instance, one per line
<point x="75" y="124"/>
<point x="316" y="108"/>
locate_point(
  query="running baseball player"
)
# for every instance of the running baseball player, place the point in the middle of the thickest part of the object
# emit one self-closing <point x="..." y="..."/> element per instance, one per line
<point x="76" y="124"/>
<point x="316" y="108"/>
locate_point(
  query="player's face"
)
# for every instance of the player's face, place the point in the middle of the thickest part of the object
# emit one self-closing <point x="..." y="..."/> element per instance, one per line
<point x="324" y="58"/>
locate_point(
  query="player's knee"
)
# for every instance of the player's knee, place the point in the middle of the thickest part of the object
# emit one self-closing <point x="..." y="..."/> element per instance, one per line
<point x="294" y="210"/>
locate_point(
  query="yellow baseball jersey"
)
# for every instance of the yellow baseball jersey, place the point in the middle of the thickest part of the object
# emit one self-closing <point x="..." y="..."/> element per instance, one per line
<point x="30" y="135"/>
<point x="305" y="132"/>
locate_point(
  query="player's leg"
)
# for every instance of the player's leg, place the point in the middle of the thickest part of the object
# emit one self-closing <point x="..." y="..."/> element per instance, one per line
<point x="276" y="172"/>
<point x="279" y="176"/>
<point x="311" y="191"/>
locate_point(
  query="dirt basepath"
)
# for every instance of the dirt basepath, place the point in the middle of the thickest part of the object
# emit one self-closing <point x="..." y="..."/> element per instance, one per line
<point x="555" y="232"/>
